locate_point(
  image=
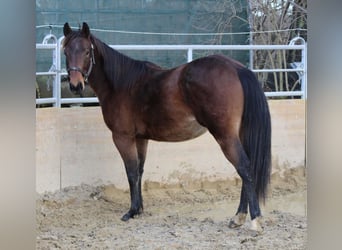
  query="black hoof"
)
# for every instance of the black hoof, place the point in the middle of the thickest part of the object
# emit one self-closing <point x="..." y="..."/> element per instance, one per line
<point x="126" y="217"/>
<point x="130" y="214"/>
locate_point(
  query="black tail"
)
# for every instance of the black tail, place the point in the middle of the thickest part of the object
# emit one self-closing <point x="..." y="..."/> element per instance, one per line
<point x="256" y="131"/>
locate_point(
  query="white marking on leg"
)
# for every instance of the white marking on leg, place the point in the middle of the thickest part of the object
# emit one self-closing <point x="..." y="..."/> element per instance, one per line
<point x="256" y="225"/>
<point x="238" y="220"/>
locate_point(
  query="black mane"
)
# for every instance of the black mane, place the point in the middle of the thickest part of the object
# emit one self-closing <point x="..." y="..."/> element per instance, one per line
<point x="121" y="71"/>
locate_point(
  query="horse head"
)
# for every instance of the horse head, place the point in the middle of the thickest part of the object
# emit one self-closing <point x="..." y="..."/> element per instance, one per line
<point x="79" y="54"/>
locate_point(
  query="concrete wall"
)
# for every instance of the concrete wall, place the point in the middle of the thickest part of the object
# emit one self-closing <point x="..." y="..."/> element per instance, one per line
<point x="73" y="146"/>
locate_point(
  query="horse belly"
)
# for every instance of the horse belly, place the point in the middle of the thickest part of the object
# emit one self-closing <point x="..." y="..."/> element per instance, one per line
<point x="179" y="131"/>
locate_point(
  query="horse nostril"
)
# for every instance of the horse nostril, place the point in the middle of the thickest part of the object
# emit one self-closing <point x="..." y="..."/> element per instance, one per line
<point x="72" y="87"/>
<point x="79" y="87"/>
<point x="76" y="90"/>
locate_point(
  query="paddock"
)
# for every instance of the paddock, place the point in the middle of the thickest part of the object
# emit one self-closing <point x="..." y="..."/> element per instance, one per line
<point x="190" y="190"/>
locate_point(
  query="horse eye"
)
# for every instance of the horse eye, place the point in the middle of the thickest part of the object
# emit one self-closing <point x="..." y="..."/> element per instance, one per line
<point x="87" y="53"/>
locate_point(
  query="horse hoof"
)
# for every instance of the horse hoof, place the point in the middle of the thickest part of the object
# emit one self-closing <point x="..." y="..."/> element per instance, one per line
<point x="130" y="214"/>
<point x="237" y="221"/>
<point x="256" y="226"/>
<point x="126" y="217"/>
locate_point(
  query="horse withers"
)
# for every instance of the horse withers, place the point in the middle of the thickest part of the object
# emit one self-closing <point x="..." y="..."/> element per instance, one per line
<point x="141" y="101"/>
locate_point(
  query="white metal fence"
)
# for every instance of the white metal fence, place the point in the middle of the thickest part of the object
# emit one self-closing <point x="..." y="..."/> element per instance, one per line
<point x="57" y="71"/>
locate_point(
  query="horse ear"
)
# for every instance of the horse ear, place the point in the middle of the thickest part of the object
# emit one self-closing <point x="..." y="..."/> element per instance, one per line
<point x="85" y="29"/>
<point x="66" y="29"/>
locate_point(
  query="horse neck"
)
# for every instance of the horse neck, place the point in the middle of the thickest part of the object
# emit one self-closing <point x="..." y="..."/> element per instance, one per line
<point x="98" y="79"/>
<point x="121" y="71"/>
<point x="98" y="82"/>
<point x="116" y="73"/>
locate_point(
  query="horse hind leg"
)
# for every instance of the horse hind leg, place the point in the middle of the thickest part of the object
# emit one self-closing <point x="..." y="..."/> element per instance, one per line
<point x="234" y="152"/>
<point x="240" y="217"/>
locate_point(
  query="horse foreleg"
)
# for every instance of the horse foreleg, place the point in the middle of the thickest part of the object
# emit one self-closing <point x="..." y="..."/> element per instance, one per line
<point x="127" y="148"/>
<point x="141" y="148"/>
<point x="134" y="180"/>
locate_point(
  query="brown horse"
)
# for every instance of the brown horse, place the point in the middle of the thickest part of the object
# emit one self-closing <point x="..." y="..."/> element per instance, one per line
<point x="142" y="101"/>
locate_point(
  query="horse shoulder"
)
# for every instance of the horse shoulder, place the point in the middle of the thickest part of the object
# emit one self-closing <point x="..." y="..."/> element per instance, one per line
<point x="118" y="115"/>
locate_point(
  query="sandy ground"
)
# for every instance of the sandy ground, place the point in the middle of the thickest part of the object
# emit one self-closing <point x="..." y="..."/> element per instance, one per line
<point x="175" y="217"/>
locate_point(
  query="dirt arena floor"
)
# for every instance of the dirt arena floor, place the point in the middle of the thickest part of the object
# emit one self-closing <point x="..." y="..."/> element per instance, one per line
<point x="175" y="217"/>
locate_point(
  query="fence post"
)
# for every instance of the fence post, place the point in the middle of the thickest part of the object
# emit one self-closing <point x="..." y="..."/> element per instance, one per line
<point x="189" y="54"/>
<point x="303" y="64"/>
<point x="305" y="77"/>
<point x="59" y="71"/>
<point x="53" y="67"/>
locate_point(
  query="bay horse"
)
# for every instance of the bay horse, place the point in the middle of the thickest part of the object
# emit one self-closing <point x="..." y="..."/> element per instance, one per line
<point x="141" y="101"/>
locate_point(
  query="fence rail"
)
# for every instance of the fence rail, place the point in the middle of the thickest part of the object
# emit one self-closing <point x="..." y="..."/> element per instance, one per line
<point x="57" y="72"/>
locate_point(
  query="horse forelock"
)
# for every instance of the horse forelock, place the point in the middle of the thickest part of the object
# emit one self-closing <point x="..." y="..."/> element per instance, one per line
<point x="76" y="34"/>
<point x="70" y="37"/>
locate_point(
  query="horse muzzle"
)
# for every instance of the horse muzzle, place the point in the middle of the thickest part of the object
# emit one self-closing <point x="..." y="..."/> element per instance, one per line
<point x="76" y="89"/>
<point x="76" y="80"/>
